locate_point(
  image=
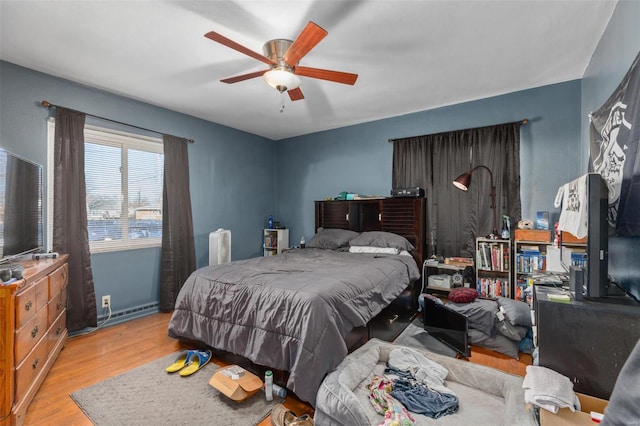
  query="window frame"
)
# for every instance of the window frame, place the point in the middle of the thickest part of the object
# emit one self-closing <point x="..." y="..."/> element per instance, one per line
<point x="125" y="141"/>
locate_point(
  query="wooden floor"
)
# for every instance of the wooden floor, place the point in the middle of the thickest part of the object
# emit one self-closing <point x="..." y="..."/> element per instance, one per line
<point x="113" y="350"/>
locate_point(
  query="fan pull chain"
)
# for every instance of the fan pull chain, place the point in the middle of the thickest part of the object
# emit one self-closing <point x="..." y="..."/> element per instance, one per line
<point x="282" y="101"/>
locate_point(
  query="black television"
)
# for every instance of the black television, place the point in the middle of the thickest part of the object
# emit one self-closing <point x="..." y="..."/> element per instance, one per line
<point x="448" y="326"/>
<point x="21" y="206"/>
<point x="611" y="272"/>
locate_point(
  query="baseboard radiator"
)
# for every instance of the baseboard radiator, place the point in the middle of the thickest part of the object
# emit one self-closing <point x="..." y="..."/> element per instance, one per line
<point x="128" y="314"/>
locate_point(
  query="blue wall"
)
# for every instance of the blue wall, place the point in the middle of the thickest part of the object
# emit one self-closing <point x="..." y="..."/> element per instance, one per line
<point x="223" y="163"/>
<point x="359" y="158"/>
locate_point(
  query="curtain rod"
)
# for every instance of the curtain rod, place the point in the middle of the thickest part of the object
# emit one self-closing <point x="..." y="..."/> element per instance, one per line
<point x="48" y="104"/>
<point x="522" y="122"/>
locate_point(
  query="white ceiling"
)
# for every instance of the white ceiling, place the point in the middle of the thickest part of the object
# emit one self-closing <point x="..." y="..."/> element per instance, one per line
<point x="410" y="55"/>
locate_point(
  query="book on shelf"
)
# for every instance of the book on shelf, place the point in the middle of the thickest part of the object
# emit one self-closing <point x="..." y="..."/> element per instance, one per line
<point x="493" y="256"/>
<point x="491" y="288"/>
<point x="520" y="287"/>
<point x="579" y="259"/>
<point x="527" y="263"/>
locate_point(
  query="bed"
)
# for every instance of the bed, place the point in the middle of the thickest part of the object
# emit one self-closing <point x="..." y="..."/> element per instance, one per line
<point x="294" y="312"/>
<point x="290" y="312"/>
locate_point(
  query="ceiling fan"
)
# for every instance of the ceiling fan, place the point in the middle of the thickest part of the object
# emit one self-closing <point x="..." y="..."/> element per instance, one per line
<point x="283" y="56"/>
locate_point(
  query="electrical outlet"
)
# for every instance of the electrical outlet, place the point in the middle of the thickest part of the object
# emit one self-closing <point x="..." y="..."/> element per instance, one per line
<point x="106" y="301"/>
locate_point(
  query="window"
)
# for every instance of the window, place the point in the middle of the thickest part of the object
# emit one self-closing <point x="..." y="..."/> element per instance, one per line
<point x="124" y="179"/>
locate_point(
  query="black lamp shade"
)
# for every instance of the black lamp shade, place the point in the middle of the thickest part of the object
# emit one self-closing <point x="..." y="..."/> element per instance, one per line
<point x="463" y="181"/>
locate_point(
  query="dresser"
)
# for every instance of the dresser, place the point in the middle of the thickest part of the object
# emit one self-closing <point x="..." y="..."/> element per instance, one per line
<point x="33" y="328"/>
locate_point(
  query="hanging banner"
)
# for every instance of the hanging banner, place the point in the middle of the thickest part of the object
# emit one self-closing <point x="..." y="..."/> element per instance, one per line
<point x="614" y="154"/>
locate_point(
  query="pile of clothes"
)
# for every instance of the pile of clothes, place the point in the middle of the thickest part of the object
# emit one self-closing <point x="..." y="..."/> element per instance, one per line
<point x="412" y="383"/>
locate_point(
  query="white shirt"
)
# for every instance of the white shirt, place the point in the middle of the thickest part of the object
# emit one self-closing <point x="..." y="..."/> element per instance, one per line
<point x="574" y="215"/>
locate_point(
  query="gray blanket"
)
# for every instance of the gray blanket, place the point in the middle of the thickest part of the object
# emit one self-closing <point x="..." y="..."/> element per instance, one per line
<point x="292" y="311"/>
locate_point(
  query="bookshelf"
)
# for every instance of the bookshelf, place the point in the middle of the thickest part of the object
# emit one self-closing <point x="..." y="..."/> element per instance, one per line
<point x="274" y="241"/>
<point x="493" y="268"/>
<point x="535" y="258"/>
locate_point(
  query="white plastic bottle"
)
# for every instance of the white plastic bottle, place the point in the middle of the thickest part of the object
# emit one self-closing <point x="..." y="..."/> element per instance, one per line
<point x="278" y="391"/>
<point x="302" y="242"/>
<point x="268" y="385"/>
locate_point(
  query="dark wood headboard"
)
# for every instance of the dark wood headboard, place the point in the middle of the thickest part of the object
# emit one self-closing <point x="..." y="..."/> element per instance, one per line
<point x="402" y="216"/>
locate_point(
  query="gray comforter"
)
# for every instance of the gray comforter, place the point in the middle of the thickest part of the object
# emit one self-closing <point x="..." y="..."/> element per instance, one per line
<point x="291" y="311"/>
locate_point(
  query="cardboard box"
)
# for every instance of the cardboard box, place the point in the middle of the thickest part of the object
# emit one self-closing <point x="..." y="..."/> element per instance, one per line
<point x="236" y="382"/>
<point x="568" y="238"/>
<point x="566" y="417"/>
<point x="534" y="235"/>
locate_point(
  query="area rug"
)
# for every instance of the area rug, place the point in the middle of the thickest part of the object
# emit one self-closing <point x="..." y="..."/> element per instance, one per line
<point x="147" y="395"/>
<point x="415" y="336"/>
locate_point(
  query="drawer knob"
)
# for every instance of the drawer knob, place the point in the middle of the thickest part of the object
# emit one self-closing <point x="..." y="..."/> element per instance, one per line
<point x="34" y="332"/>
<point x="58" y="305"/>
<point x="58" y="330"/>
<point x="35" y="363"/>
<point x="28" y="305"/>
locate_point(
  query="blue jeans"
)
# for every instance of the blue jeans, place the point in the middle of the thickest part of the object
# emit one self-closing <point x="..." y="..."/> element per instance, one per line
<point x="422" y="400"/>
<point x="418" y="398"/>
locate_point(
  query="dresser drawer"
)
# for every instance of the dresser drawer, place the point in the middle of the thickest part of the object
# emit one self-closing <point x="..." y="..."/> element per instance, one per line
<point x="31" y="300"/>
<point x="42" y="292"/>
<point x="57" y="304"/>
<point x="56" y="329"/>
<point x="30" y="367"/>
<point x="57" y="280"/>
<point x="29" y="334"/>
<point x="26" y="306"/>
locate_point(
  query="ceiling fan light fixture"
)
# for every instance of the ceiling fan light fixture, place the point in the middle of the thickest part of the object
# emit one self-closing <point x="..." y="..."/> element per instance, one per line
<point x="281" y="80"/>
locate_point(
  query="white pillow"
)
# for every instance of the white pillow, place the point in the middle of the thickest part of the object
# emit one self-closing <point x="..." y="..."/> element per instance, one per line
<point x="370" y="249"/>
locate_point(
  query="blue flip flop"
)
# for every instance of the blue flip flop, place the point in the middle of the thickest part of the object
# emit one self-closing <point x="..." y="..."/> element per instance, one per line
<point x="196" y="360"/>
<point x="182" y="360"/>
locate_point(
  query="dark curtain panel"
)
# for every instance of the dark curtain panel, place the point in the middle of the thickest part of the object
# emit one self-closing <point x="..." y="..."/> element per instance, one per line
<point x="70" y="233"/>
<point x="178" y="249"/>
<point x="457" y="217"/>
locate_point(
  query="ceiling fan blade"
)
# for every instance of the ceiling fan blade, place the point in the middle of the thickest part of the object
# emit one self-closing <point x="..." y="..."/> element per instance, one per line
<point x="335" y="76"/>
<point x="306" y="40"/>
<point x="240" y="48"/>
<point x="243" y="77"/>
<point x="295" y="94"/>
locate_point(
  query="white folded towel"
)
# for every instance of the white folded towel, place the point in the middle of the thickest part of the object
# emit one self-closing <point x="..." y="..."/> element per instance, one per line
<point x="549" y="389"/>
